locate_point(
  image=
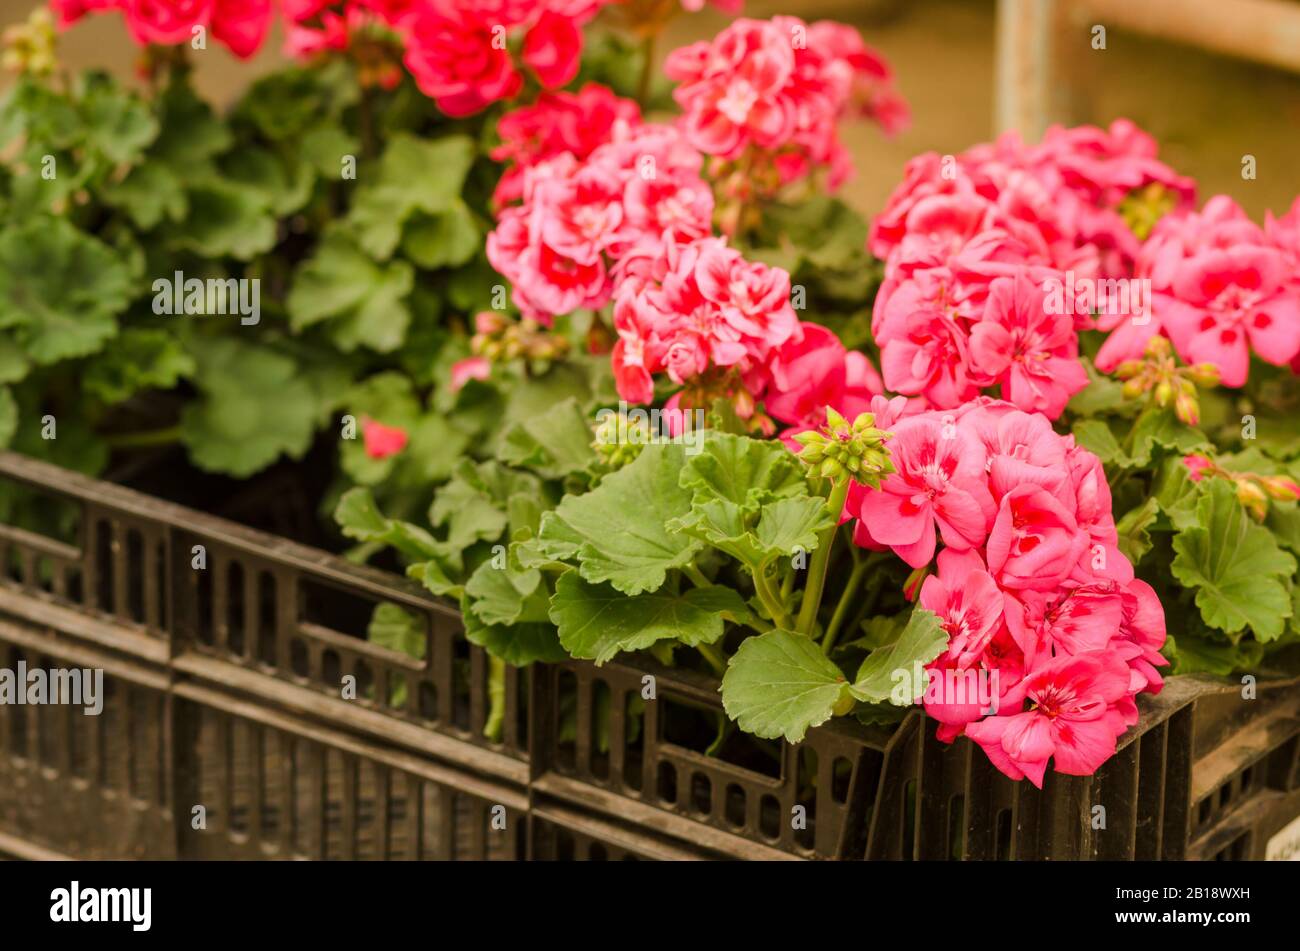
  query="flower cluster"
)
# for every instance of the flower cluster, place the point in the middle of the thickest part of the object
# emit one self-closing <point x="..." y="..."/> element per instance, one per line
<point x="685" y="309"/>
<point x="460" y="51"/>
<point x="578" y="220"/>
<point x="464" y="54"/>
<point x="631" y="220"/>
<point x="1223" y="288"/>
<point x="240" y="25"/>
<point x="985" y="255"/>
<point x="366" y="29"/>
<point x="558" y="122"/>
<point x="776" y="90"/>
<point x="1031" y="586"/>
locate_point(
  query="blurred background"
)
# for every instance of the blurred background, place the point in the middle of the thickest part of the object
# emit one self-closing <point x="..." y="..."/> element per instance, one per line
<point x="1206" y="110"/>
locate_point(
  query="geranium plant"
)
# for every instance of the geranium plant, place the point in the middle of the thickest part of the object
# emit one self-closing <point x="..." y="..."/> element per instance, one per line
<point x="1073" y="474"/>
<point x="248" y="283"/>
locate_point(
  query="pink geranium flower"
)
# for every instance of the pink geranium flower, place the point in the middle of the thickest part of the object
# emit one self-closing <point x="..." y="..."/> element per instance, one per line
<point x="165" y="21"/>
<point x="1076" y="718"/>
<point x="557" y="122"/>
<point x="929" y="356"/>
<point x="1227" y="303"/>
<point x="779" y="87"/>
<point x="968" y="603"/>
<point x="382" y="441"/>
<point x="453" y="53"/>
<point x="940" y="482"/>
<point x="1142" y="634"/>
<point x="241" y="24"/>
<point x="471" y="368"/>
<point x="1035" y="541"/>
<point x="730" y="89"/>
<point x="1033" y="353"/>
<point x="754" y="298"/>
<point x="552" y="48"/>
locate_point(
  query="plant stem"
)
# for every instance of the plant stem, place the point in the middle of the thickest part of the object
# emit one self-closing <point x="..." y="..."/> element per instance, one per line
<point x="714" y="656"/>
<point x="496" y="699"/>
<point x="696" y="576"/>
<point x="1127" y="445"/>
<point x="144" y="438"/>
<point x="842" y="608"/>
<point x="366" y="120"/>
<point x="774" y="604"/>
<point x="647" y="68"/>
<point x="812" y="596"/>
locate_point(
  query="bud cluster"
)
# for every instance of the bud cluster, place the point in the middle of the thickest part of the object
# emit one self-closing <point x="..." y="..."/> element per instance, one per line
<point x="840" y="447"/>
<point x="1169" y="384"/>
<point x="1253" y="490"/>
<point x="1143" y="207"/>
<point x="29" y="46"/>
<point x="741" y="184"/>
<point x="619" y="438"/>
<point x="725" y="383"/>
<point x="500" y="339"/>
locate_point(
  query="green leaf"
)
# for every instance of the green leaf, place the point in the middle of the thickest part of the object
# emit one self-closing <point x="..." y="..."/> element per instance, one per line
<point x="282" y="189"/>
<point x="501" y="596"/>
<point x="359" y="518"/>
<point x="618" y="532"/>
<point x="256" y="406"/>
<point x="60" y="289"/>
<point x="433" y="448"/>
<point x="553" y="444"/>
<point x="138" y="359"/>
<point x="781" y="684"/>
<point x="468" y="507"/>
<point x="893" y="665"/>
<point x="1103" y="394"/>
<point x="325" y="147"/>
<point x="413" y="175"/>
<point x="149" y="194"/>
<point x="790" y="525"/>
<point x="1197" y="655"/>
<point x="118" y="124"/>
<point x="446" y="239"/>
<point x="432" y="576"/>
<point x="1095" y="436"/>
<point x="1134" y="539"/>
<point x="1162" y="428"/>
<point x="1284" y="522"/>
<point x="284" y="105"/>
<point x="8" y="417"/>
<point x="1176" y="494"/>
<point x="516" y="644"/>
<point x="364" y="301"/>
<point x="13" y="361"/>
<point x="1240" y="575"/>
<point x="596" y="622"/>
<point x="224" y="218"/>
<point x="743" y="471"/>
<point x="189" y="133"/>
<point x="397" y="629"/>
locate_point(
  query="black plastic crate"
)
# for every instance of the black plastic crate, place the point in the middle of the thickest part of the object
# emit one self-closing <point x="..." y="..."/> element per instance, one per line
<point x="264" y="616"/>
<point x="1205" y="774"/>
